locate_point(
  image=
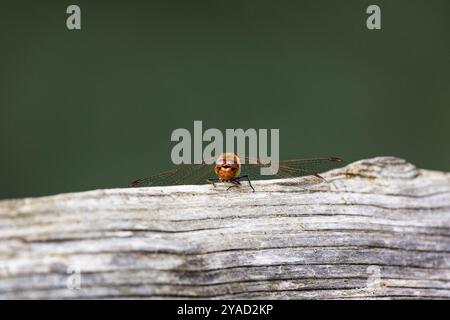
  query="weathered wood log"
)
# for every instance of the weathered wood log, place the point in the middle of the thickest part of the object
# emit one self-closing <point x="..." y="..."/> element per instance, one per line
<point x="378" y="228"/>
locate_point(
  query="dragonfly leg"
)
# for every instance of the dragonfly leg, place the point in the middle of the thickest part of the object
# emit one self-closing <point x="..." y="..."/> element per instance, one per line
<point x="248" y="179"/>
<point x="235" y="183"/>
<point x="213" y="181"/>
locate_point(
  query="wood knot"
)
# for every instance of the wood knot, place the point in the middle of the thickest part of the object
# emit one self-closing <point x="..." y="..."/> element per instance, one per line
<point x="382" y="168"/>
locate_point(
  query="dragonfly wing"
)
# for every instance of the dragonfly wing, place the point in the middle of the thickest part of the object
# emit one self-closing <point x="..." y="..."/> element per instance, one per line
<point x="293" y="168"/>
<point x="181" y="174"/>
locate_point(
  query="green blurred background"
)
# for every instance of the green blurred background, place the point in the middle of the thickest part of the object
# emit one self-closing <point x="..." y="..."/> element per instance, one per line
<point x="95" y="108"/>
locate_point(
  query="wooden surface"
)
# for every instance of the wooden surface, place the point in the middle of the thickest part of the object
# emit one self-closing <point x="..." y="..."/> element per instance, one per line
<point x="379" y="228"/>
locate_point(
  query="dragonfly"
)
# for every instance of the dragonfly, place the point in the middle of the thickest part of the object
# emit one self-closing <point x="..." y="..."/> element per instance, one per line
<point x="229" y="169"/>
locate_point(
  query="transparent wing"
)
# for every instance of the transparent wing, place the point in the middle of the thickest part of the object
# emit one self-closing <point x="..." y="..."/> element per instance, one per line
<point x="181" y="174"/>
<point x="292" y="168"/>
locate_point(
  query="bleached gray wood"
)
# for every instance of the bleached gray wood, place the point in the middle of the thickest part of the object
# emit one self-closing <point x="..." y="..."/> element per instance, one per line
<point x="291" y="239"/>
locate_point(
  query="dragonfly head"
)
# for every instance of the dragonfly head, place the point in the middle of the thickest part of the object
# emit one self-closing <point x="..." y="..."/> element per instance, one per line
<point x="228" y="166"/>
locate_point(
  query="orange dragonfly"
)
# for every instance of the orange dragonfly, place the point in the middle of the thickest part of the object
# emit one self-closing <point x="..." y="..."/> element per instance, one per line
<point x="228" y="168"/>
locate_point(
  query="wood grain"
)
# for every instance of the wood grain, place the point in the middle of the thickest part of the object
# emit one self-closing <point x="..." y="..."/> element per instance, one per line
<point x="378" y="228"/>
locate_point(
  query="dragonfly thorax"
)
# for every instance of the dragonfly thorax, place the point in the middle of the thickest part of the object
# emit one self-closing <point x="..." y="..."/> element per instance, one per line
<point x="228" y="166"/>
